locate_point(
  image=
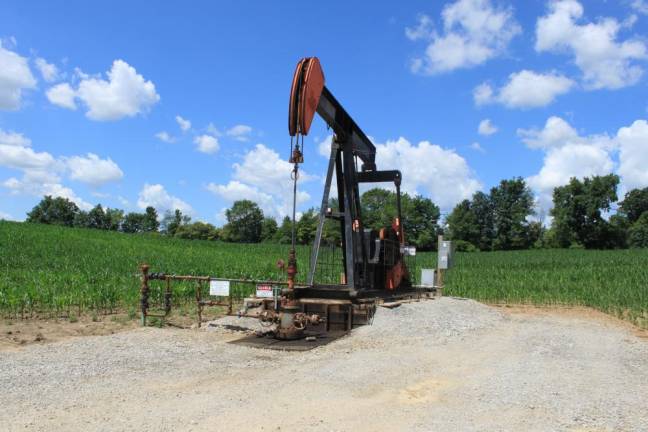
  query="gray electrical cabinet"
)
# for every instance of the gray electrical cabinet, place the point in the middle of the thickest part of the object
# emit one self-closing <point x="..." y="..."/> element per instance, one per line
<point x="445" y="255"/>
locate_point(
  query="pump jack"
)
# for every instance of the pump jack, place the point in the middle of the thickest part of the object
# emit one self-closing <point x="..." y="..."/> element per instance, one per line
<point x="373" y="261"/>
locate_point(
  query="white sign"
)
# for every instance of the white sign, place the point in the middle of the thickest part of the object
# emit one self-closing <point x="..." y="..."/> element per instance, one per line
<point x="408" y="250"/>
<point x="264" y="291"/>
<point x="427" y="277"/>
<point x="219" y="288"/>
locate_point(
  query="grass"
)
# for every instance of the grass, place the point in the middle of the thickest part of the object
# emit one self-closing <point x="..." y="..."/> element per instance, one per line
<point x="55" y="270"/>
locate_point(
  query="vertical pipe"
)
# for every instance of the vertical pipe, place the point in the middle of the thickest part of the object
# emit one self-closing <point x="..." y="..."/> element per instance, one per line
<point x="144" y="292"/>
<point x="167" y="297"/>
<point x="198" y="301"/>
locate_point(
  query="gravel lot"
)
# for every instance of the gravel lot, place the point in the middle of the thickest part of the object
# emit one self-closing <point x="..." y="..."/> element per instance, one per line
<point x="446" y="365"/>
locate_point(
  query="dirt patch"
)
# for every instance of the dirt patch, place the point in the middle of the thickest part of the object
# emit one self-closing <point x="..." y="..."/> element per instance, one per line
<point x="575" y="312"/>
<point x="15" y="334"/>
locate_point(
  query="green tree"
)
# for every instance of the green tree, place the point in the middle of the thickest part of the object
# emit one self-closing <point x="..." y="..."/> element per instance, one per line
<point x="268" y="229"/>
<point x="133" y="223"/>
<point x="512" y="203"/>
<point x="244" y="222"/>
<point x="97" y="218"/>
<point x="578" y="208"/>
<point x="115" y="217"/>
<point x="463" y="226"/>
<point x="81" y="219"/>
<point x="55" y="211"/>
<point x="638" y="232"/>
<point x="150" y="222"/>
<point x="482" y="207"/>
<point x="420" y="222"/>
<point x="306" y="227"/>
<point x="634" y="204"/>
<point x="284" y="233"/>
<point x="197" y="231"/>
<point x="172" y="221"/>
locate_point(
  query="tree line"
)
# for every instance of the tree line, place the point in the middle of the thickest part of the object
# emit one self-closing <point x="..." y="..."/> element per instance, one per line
<point x="502" y="219"/>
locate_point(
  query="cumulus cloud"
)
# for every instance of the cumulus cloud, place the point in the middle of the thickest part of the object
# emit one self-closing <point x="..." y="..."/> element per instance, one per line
<point x="28" y="186"/>
<point x="430" y="170"/>
<point x="604" y="61"/>
<point x="240" y="132"/>
<point x="206" y="144"/>
<point x="184" y="124"/>
<point x="124" y="94"/>
<point x="633" y="154"/>
<point x="486" y="128"/>
<point x="263" y="177"/>
<point x="525" y="89"/>
<point x="93" y="170"/>
<point x="165" y="137"/>
<point x="42" y="173"/>
<point x="48" y="71"/>
<point x="156" y="196"/>
<point x="474" y="31"/>
<point x="16" y="153"/>
<point x="15" y="76"/>
<point x="62" y="95"/>
<point x="569" y="154"/>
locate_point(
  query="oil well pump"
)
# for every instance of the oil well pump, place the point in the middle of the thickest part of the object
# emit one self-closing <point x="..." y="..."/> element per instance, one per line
<point x="373" y="261"/>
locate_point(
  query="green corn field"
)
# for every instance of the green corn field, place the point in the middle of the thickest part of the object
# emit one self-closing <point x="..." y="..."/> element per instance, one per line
<point x="52" y="271"/>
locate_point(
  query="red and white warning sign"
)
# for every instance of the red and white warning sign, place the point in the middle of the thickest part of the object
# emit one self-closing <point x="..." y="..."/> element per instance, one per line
<point x="264" y="290"/>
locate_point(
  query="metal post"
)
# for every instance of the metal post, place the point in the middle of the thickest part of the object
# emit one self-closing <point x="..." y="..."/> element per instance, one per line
<point x="144" y="292"/>
<point x="439" y="272"/>
<point x="199" y="301"/>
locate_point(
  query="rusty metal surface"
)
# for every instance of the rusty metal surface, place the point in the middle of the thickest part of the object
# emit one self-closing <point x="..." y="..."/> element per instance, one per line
<point x="305" y="92"/>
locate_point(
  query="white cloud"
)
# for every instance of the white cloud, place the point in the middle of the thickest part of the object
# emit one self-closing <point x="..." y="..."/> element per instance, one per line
<point x="486" y="128"/>
<point x="124" y="94"/>
<point x="430" y="170"/>
<point x="604" y="61"/>
<point x="240" y="132"/>
<point x="633" y="154"/>
<point x="324" y="147"/>
<point x="423" y="29"/>
<point x="62" y="95"/>
<point x="14" y="139"/>
<point x="28" y="186"/>
<point x="93" y="170"/>
<point x="15" y="76"/>
<point x="16" y="153"/>
<point x="640" y="6"/>
<point x="477" y="147"/>
<point x="207" y="144"/>
<point x="264" y="178"/>
<point x="474" y="31"/>
<point x="42" y="173"/>
<point x="154" y="195"/>
<point x="184" y="124"/>
<point x="48" y="71"/>
<point x="164" y="136"/>
<point x="556" y="133"/>
<point x="567" y="155"/>
<point x="525" y="89"/>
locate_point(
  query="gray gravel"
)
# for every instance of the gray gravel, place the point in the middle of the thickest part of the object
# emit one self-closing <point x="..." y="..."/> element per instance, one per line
<point x="444" y="365"/>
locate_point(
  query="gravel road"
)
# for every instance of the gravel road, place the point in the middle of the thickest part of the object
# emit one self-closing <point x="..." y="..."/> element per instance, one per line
<point x="443" y="365"/>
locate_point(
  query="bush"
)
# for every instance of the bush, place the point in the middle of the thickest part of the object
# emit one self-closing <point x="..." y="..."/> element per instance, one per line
<point x="638" y="232"/>
<point x="464" y="246"/>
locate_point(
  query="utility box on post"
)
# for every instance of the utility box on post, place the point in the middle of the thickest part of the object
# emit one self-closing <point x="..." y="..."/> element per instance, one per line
<point x="445" y="255"/>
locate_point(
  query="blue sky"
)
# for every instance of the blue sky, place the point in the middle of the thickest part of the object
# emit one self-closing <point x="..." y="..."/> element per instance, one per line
<point x="185" y="105"/>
